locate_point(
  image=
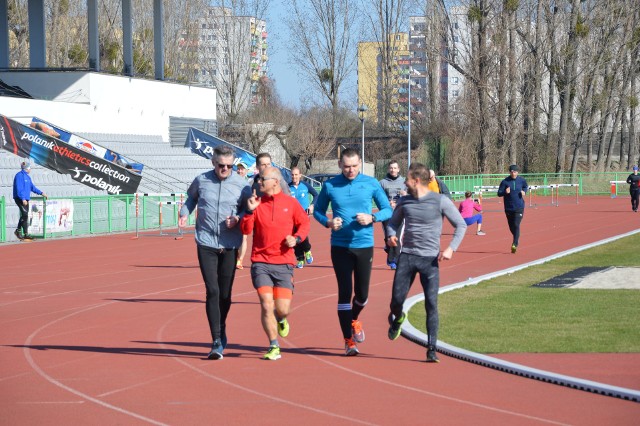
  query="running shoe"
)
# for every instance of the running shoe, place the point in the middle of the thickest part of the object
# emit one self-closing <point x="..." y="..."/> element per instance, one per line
<point x="18" y="234"/>
<point x="273" y="353"/>
<point x="396" y="327"/>
<point x="27" y="237"/>
<point x="308" y="257"/>
<point x="392" y="265"/>
<point x="216" y="350"/>
<point x="350" y="348"/>
<point x="431" y="354"/>
<point x="481" y="233"/>
<point x="239" y="265"/>
<point x="514" y="248"/>
<point x="283" y="328"/>
<point x="356" y="331"/>
<point x="300" y="264"/>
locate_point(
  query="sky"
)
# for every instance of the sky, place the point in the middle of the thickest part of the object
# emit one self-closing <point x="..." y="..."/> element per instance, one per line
<point x="289" y="86"/>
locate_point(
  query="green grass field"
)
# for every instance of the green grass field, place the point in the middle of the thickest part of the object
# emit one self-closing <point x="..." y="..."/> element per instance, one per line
<point x="506" y="314"/>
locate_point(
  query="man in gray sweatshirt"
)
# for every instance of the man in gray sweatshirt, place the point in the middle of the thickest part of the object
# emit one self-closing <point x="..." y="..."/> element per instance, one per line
<point x="221" y="197"/>
<point x="422" y="212"/>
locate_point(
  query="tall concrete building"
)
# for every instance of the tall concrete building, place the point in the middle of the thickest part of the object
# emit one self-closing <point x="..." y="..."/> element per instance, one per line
<point x="383" y="103"/>
<point x="419" y="58"/>
<point x="232" y="56"/>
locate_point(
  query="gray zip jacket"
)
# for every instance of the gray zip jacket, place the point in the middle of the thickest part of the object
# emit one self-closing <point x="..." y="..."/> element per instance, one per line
<point x="216" y="200"/>
<point x="423" y="223"/>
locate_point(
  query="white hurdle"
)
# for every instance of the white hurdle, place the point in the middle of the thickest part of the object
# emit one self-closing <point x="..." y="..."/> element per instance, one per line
<point x="179" y="203"/>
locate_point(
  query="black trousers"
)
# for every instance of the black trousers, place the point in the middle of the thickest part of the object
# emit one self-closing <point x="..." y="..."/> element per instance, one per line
<point x="392" y="252"/>
<point x="513" y="219"/>
<point x="23" y="222"/>
<point x="352" y="267"/>
<point x="218" y="268"/>
<point x="409" y="265"/>
<point x="301" y="248"/>
<point x="635" y="197"/>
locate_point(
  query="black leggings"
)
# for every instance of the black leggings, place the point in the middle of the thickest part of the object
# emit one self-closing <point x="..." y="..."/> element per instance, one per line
<point x="514" y="219"/>
<point x="352" y="267"/>
<point x="218" y="268"/>
<point x="302" y="248"/>
<point x="635" y="197"/>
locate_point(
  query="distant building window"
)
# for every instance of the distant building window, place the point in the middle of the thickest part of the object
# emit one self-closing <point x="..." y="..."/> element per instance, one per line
<point x="454" y="80"/>
<point x="455" y="25"/>
<point x="456" y="39"/>
<point x="454" y="93"/>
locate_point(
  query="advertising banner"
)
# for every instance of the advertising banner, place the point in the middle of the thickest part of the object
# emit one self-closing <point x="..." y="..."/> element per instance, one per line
<point x="59" y="216"/>
<point x="84" y="144"/>
<point x="202" y="143"/>
<point x="54" y="154"/>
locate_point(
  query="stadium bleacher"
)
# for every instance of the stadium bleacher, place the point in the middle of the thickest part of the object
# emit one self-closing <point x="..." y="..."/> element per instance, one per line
<point x="166" y="169"/>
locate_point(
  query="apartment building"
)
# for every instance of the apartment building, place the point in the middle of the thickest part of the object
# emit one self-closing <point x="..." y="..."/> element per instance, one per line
<point x="420" y="73"/>
<point x="232" y="57"/>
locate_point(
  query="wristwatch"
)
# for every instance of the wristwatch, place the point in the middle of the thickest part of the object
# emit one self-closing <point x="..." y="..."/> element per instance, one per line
<point x="298" y="240"/>
<point x="373" y="219"/>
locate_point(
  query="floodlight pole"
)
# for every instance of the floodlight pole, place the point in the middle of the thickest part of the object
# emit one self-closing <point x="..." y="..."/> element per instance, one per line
<point x="361" y="110"/>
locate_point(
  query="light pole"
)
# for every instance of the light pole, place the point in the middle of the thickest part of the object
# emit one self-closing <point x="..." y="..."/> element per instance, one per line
<point x="409" y="124"/>
<point x="361" y="111"/>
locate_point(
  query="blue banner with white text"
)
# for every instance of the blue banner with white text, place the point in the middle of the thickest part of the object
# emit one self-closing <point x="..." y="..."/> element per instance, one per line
<point x="203" y="144"/>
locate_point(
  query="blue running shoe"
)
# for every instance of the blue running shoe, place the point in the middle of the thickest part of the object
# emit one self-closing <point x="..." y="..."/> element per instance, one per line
<point x="216" y="350"/>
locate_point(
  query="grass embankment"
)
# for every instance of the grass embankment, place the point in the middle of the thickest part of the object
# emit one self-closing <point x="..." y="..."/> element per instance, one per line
<point x="507" y="314"/>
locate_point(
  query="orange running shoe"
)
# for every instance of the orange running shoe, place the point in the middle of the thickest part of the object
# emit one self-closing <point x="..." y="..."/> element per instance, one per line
<point x="356" y="331"/>
<point x="350" y="348"/>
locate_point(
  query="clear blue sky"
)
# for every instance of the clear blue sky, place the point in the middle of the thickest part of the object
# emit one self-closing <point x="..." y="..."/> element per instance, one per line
<point x="285" y="75"/>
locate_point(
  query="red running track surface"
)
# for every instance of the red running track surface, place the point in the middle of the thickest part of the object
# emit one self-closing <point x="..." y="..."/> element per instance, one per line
<point x="110" y="330"/>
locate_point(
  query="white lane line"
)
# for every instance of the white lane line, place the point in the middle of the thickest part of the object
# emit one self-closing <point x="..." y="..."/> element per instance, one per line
<point x="27" y="354"/>
<point x="249" y="390"/>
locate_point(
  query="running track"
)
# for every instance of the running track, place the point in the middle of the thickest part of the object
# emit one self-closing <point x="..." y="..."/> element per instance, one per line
<point x="110" y="330"/>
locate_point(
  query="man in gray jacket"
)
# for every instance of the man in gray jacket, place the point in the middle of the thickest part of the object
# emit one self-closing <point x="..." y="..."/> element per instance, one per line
<point x="221" y="197"/>
<point x="393" y="186"/>
<point x="422" y="211"/>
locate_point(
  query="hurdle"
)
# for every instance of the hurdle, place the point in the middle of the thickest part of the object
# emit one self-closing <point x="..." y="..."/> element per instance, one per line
<point x="567" y="185"/>
<point x="533" y="191"/>
<point x="139" y="195"/>
<point x="614" y="189"/>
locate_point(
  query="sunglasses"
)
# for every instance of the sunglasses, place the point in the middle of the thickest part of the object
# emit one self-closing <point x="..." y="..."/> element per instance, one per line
<point x="262" y="179"/>
<point x="225" y="166"/>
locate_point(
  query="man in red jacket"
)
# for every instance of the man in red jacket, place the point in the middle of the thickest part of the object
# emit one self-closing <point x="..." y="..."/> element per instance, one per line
<point x="278" y="223"/>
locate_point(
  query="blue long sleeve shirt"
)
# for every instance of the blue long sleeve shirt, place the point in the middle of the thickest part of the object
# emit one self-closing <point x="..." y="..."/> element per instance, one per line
<point x="23" y="186"/>
<point x="302" y="192"/>
<point x="348" y="198"/>
<point x="513" y="201"/>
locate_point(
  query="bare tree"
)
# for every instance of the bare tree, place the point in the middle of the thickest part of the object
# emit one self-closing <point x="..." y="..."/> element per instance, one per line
<point x="233" y="59"/>
<point x="322" y="43"/>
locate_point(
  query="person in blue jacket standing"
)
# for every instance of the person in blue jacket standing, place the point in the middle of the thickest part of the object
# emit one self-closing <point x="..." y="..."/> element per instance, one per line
<point x="22" y="189"/>
<point x="513" y="188"/>
<point x="301" y="190"/>
<point x="351" y="224"/>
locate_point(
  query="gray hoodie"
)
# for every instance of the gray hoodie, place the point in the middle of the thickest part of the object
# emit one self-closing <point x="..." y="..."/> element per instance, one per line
<point x="217" y="200"/>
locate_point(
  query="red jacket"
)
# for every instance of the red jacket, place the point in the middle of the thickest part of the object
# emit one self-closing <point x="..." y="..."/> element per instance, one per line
<point x="274" y="219"/>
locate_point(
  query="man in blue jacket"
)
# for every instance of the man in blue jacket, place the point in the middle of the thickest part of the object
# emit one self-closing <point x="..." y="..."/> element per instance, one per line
<point x="513" y="188"/>
<point x="300" y="190"/>
<point x="22" y="189"/>
<point x="351" y="224"/>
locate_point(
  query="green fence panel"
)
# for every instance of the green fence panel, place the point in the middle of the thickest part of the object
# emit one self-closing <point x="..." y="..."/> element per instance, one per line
<point x="105" y="214"/>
